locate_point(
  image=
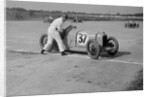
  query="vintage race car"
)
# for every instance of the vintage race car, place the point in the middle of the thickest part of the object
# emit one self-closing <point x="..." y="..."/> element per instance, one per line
<point x="131" y="24"/>
<point x="79" y="40"/>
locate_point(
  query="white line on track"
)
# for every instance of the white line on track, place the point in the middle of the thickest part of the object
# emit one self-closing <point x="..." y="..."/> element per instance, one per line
<point x="128" y="62"/>
<point x="80" y="56"/>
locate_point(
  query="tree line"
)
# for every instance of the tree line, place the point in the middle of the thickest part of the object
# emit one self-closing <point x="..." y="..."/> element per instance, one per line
<point x="24" y="14"/>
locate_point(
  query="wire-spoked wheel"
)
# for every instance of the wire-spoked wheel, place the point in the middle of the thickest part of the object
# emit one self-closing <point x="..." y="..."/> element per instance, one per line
<point x="113" y="46"/>
<point x="93" y="49"/>
<point x="43" y="41"/>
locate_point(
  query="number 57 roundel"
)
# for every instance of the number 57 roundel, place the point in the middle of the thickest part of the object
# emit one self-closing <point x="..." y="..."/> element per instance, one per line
<point x="82" y="38"/>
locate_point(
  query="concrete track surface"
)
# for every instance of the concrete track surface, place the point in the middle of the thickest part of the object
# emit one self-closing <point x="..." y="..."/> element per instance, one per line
<point x="30" y="73"/>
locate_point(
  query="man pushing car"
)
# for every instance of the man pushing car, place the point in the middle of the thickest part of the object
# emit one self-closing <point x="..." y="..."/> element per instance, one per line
<point x="53" y="33"/>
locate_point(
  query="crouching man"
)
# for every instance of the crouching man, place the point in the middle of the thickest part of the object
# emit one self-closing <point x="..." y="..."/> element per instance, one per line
<point x="54" y="31"/>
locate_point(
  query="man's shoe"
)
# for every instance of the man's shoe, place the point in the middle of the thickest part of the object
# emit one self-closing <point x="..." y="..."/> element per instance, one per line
<point x="42" y="51"/>
<point x="66" y="51"/>
<point x="63" y="53"/>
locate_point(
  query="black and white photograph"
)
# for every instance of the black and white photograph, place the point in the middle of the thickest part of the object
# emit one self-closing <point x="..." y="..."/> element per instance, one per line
<point x="65" y="48"/>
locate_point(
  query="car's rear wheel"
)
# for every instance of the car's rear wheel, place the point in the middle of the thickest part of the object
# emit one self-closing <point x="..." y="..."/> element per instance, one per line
<point x="43" y="41"/>
<point x="93" y="49"/>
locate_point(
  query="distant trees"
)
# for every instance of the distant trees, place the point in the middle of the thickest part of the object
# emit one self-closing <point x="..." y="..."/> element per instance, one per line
<point x="31" y="12"/>
<point x="18" y="9"/>
<point x="19" y="16"/>
<point x="23" y="14"/>
<point x="16" y="13"/>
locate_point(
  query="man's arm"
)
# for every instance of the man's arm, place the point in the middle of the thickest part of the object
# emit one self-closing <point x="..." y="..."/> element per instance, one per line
<point x="59" y="26"/>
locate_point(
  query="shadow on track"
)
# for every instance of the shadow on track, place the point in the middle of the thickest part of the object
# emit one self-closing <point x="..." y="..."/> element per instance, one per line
<point x="103" y="54"/>
<point x="119" y="54"/>
<point x="77" y="52"/>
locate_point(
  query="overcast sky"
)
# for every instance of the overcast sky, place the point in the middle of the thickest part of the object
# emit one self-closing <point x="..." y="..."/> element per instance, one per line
<point x="73" y="7"/>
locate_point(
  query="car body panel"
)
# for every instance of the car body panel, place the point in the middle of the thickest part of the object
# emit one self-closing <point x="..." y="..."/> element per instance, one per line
<point x="78" y="39"/>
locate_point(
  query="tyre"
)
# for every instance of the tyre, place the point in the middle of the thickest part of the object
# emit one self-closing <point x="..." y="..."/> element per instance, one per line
<point x="43" y="41"/>
<point x="113" y="45"/>
<point x="93" y="49"/>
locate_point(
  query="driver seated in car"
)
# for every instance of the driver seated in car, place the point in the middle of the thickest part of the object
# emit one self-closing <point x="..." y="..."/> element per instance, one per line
<point x="54" y="31"/>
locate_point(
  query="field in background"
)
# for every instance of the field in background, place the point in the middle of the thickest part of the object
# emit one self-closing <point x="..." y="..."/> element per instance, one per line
<point x="24" y="14"/>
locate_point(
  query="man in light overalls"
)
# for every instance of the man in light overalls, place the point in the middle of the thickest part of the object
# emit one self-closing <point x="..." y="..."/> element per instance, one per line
<point x="54" y="31"/>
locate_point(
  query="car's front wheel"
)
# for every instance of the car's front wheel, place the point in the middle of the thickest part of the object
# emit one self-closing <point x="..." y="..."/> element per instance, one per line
<point x="93" y="49"/>
<point x="113" y="45"/>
